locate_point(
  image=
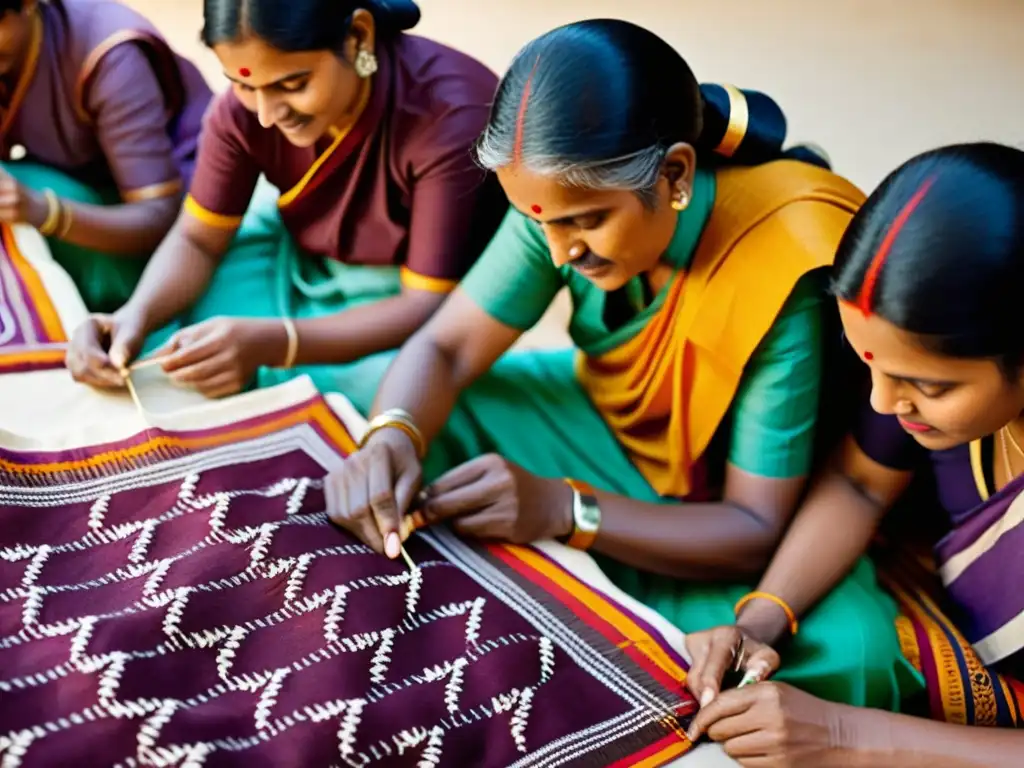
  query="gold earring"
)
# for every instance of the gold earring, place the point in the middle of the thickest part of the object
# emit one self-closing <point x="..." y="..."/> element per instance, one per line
<point x="682" y="202"/>
<point x="365" y="64"/>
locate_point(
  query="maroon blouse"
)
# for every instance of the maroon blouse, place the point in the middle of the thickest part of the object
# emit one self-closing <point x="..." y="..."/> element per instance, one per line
<point x="400" y="188"/>
<point x="105" y="100"/>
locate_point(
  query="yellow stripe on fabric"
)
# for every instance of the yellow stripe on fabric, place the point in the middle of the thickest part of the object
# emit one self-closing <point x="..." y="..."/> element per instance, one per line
<point x="418" y="282"/>
<point x="978" y="470"/>
<point x="640" y="637"/>
<point x="339" y="136"/>
<point x="951" y="688"/>
<point x="208" y="217"/>
<point x="739" y="120"/>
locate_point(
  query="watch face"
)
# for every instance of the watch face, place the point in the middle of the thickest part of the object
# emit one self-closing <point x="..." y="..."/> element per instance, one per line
<point x="589" y="517"/>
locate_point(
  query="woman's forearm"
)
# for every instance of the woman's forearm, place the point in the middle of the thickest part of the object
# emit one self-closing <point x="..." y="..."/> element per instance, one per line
<point x="361" y="331"/>
<point x="131" y="230"/>
<point x="175" y="277"/>
<point x="423" y="380"/>
<point x="875" y="738"/>
<point x="688" y="541"/>
<point x="830" y="532"/>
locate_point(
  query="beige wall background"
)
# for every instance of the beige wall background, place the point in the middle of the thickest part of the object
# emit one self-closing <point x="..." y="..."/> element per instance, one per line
<point x="872" y="81"/>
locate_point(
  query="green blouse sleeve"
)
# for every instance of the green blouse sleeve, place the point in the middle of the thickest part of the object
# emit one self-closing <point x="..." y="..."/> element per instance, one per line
<point x="776" y="406"/>
<point x="514" y="280"/>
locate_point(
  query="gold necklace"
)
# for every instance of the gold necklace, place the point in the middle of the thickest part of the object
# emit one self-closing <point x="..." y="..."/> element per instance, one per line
<point x="1013" y="440"/>
<point x="1006" y="455"/>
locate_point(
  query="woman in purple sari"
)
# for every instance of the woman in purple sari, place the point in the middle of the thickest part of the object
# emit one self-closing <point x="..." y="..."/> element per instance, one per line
<point x="99" y="122"/>
<point x="928" y="278"/>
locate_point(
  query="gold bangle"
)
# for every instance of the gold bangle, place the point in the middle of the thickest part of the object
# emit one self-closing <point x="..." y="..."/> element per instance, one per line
<point x="790" y="614"/>
<point x="293" y="342"/>
<point x="53" y="214"/>
<point x="396" y="418"/>
<point x="67" y="218"/>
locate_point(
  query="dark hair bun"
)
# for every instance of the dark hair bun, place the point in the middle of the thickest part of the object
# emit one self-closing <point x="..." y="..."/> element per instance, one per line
<point x="394" y="15"/>
<point x="748" y="127"/>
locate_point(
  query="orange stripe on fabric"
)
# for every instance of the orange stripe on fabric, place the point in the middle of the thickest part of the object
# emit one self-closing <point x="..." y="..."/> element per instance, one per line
<point x="318" y="412"/>
<point x="867" y="290"/>
<point x="28" y="72"/>
<point x="339" y="136"/>
<point x="952" y="691"/>
<point x="12" y="359"/>
<point x="678" y="745"/>
<point x="1011" y="701"/>
<point x="41" y="303"/>
<point x="643" y="642"/>
<point x="210" y="218"/>
<point x="418" y="282"/>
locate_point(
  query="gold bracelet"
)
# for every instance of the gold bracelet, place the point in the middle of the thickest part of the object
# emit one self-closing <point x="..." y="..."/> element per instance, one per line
<point x="794" y="625"/>
<point x="396" y="418"/>
<point x="293" y="342"/>
<point x="67" y="218"/>
<point x="586" y="516"/>
<point x="53" y="214"/>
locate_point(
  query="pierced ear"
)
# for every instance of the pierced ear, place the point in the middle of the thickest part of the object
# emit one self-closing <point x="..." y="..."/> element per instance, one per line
<point x="362" y="34"/>
<point x="679" y="164"/>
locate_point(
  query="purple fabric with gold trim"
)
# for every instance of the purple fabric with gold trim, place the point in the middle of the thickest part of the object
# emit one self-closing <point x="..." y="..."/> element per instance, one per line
<point x="400" y="188"/>
<point x="109" y="101"/>
<point x="982" y="550"/>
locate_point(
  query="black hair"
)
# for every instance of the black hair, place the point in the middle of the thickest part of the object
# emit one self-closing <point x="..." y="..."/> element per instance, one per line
<point x="17" y="6"/>
<point x="938" y="251"/>
<point x="598" y="103"/>
<point x="301" y="25"/>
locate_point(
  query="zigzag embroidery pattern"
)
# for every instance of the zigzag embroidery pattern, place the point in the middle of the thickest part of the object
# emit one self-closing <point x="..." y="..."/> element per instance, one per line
<point x="177" y="602"/>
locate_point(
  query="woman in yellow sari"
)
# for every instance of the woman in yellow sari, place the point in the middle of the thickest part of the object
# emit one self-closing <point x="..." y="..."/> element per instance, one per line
<point x="693" y="250"/>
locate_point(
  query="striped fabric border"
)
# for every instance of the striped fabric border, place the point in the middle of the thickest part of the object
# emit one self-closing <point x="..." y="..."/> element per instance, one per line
<point x="32" y="336"/>
<point x="960" y="689"/>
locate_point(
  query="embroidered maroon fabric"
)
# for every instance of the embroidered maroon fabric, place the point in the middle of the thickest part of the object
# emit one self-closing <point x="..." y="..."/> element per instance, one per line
<point x="180" y="598"/>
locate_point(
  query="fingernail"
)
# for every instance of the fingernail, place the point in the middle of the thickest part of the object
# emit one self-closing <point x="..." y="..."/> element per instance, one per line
<point x="422" y="496"/>
<point x="707" y="697"/>
<point x="692" y="734"/>
<point x="393" y="545"/>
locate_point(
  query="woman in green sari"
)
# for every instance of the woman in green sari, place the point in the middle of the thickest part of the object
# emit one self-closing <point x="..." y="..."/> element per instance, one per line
<point x="685" y="418"/>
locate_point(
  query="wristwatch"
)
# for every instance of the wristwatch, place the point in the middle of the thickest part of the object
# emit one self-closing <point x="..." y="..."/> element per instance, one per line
<point x="586" y="516"/>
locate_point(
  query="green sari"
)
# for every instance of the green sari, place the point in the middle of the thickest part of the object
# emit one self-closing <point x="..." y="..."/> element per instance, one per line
<point x="531" y="409"/>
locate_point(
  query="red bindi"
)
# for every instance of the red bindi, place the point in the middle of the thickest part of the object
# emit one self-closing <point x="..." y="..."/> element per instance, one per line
<point x="869" y="356"/>
<point x="536" y="208"/>
<point x="244" y="72"/>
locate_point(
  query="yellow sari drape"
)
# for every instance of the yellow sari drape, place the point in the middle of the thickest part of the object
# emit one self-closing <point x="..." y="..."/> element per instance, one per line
<point x="665" y="391"/>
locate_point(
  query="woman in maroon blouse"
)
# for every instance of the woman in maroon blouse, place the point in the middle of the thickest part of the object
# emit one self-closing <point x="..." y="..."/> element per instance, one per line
<point x="98" y="130"/>
<point x="366" y="134"/>
<point x="929" y="279"/>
